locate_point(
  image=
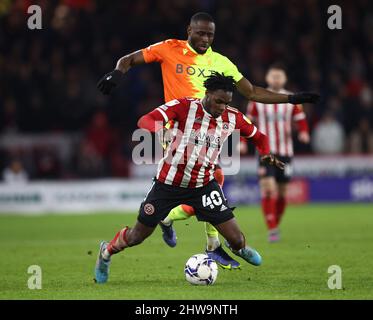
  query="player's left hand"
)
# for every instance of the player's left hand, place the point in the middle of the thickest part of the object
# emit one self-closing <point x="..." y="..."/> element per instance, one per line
<point x="109" y="81"/>
<point x="272" y="160"/>
<point x="303" y="97"/>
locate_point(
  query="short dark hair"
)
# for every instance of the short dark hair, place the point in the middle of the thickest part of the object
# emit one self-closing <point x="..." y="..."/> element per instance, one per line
<point x="277" y="66"/>
<point x="201" y="16"/>
<point x="218" y="81"/>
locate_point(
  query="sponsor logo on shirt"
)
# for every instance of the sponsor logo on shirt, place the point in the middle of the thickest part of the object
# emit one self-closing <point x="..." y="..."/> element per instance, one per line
<point x="193" y="70"/>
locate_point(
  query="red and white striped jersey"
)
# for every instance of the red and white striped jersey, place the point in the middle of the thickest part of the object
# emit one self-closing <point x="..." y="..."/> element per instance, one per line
<point x="275" y="120"/>
<point x="191" y="157"/>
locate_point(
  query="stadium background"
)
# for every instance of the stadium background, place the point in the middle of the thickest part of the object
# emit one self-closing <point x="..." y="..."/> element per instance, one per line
<point x="74" y="146"/>
<point x="56" y="126"/>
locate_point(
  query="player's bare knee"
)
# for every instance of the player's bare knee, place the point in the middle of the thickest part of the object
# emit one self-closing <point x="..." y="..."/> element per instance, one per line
<point x="267" y="187"/>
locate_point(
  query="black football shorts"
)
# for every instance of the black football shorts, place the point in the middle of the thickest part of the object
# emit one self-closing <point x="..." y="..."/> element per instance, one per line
<point x="209" y="203"/>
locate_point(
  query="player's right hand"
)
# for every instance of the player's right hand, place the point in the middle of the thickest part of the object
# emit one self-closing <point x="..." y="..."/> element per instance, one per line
<point x="109" y="81"/>
<point x="272" y="160"/>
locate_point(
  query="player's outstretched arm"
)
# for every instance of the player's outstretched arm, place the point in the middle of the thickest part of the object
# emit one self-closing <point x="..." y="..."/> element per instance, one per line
<point x="130" y="60"/>
<point x="110" y="80"/>
<point x="262" y="95"/>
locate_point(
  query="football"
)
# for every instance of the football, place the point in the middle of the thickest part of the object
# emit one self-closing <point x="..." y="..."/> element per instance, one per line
<point x="201" y="270"/>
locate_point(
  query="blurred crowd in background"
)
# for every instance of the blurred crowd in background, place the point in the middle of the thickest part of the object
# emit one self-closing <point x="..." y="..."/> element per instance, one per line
<point x="48" y="77"/>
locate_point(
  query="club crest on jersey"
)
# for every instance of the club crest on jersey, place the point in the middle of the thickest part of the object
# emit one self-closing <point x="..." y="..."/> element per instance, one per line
<point x="225" y="126"/>
<point x="149" y="209"/>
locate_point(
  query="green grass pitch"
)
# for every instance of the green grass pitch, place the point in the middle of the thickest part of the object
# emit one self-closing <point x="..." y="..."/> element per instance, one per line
<point x="314" y="237"/>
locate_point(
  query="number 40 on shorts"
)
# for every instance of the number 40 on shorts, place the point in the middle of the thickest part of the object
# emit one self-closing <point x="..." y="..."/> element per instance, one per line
<point x="213" y="200"/>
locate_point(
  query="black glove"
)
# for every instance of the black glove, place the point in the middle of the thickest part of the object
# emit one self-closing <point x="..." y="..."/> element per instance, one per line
<point x="272" y="160"/>
<point x="303" y="97"/>
<point x="109" y="81"/>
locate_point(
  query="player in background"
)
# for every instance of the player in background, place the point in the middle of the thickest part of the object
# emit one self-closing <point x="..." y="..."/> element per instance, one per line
<point x="275" y="120"/>
<point x="185" y="64"/>
<point x="185" y="174"/>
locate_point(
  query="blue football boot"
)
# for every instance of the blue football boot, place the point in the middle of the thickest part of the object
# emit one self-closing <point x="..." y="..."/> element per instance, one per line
<point x="249" y="254"/>
<point x="222" y="258"/>
<point x="102" y="265"/>
<point x="169" y="234"/>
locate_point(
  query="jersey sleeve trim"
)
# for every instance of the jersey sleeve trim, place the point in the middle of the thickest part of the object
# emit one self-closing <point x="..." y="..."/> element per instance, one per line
<point x="254" y="132"/>
<point x="155" y="52"/>
<point x="146" y="56"/>
<point x="163" y="114"/>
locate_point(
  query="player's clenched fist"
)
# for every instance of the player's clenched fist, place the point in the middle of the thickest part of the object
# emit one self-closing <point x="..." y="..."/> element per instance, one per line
<point x="109" y="81"/>
<point x="272" y="160"/>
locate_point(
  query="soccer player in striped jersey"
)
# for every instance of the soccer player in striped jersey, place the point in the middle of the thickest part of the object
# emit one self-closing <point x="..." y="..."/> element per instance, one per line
<point x="275" y="120"/>
<point x="185" y="175"/>
<point x="185" y="64"/>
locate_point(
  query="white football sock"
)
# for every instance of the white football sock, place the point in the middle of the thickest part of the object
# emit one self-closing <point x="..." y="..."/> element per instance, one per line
<point x="212" y="243"/>
<point x="167" y="221"/>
